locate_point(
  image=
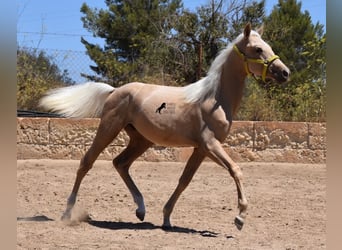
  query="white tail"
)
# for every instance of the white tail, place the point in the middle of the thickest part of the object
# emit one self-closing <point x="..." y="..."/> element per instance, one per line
<point x="78" y="101"/>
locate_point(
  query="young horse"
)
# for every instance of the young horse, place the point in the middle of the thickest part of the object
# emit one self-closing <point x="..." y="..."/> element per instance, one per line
<point x="200" y="117"/>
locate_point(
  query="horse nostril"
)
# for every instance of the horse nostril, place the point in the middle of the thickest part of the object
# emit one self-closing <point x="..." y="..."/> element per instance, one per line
<point x="285" y="74"/>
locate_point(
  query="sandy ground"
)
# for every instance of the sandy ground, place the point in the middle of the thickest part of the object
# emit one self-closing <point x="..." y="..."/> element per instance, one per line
<point x="287" y="207"/>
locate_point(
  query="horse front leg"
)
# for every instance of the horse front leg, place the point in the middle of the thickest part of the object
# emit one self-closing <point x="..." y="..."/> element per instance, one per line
<point x="191" y="167"/>
<point x="217" y="154"/>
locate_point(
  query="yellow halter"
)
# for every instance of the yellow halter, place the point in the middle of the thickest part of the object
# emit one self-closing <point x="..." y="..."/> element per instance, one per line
<point x="266" y="63"/>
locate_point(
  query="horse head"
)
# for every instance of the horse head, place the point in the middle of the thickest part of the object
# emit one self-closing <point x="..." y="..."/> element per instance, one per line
<point x="259" y="58"/>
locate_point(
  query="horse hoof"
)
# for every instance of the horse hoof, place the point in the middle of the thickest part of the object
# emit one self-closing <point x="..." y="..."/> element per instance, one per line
<point x="167" y="227"/>
<point x="167" y="224"/>
<point x="66" y="217"/>
<point x="239" y="222"/>
<point x="140" y="215"/>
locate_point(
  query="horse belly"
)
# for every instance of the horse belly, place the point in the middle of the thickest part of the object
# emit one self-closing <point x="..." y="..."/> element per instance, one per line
<point x="166" y="135"/>
<point x="166" y="128"/>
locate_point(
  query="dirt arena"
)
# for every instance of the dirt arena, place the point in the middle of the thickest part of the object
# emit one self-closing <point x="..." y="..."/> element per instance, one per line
<point x="287" y="207"/>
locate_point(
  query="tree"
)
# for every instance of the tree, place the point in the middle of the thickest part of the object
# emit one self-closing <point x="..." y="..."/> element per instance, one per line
<point x="293" y="35"/>
<point x="157" y="39"/>
<point x="200" y="35"/>
<point x="253" y="12"/>
<point x="36" y="73"/>
<point x="130" y="29"/>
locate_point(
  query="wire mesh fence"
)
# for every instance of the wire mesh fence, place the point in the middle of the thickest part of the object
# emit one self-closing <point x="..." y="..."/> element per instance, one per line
<point x="72" y="64"/>
<point x="39" y="70"/>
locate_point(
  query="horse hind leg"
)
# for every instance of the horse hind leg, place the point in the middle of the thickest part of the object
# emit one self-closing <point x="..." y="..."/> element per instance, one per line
<point x="136" y="147"/>
<point x="104" y="136"/>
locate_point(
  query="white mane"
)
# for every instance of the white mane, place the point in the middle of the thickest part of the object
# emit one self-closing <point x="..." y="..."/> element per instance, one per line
<point x="208" y="86"/>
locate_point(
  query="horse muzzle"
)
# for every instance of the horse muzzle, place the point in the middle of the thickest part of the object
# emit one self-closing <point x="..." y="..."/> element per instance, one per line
<point x="278" y="71"/>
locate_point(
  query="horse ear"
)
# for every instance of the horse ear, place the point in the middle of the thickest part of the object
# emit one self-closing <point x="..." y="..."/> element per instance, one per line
<point x="247" y="30"/>
<point x="260" y="30"/>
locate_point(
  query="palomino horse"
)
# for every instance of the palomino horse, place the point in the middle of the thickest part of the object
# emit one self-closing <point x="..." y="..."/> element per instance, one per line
<point x="200" y="115"/>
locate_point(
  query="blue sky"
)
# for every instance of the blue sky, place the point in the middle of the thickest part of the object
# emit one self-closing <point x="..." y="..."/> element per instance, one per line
<point x="56" y="24"/>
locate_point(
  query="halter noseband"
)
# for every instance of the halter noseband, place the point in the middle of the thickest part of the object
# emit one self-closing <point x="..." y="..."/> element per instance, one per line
<point x="266" y="63"/>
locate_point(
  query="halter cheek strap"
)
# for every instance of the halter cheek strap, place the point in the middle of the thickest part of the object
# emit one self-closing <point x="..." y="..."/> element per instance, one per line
<point x="266" y="63"/>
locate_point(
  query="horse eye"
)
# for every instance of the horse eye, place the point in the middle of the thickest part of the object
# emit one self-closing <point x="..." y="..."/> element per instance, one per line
<point x="259" y="50"/>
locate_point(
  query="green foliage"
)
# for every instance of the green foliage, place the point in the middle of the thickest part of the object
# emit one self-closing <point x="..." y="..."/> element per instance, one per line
<point x="302" y="47"/>
<point x="254" y="12"/>
<point x="258" y="105"/>
<point x="36" y="73"/>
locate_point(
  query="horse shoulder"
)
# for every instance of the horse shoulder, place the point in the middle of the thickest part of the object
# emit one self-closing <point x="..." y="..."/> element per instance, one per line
<point x="216" y="119"/>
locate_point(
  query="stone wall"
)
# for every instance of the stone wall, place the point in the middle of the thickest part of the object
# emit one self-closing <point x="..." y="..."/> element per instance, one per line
<point x="58" y="138"/>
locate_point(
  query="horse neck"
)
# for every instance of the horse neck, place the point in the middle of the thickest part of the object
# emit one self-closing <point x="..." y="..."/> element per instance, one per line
<point x="232" y="83"/>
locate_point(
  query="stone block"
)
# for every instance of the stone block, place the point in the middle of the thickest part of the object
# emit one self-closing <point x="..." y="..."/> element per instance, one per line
<point x="159" y="154"/>
<point x="72" y="131"/>
<point x="33" y="130"/>
<point x="317" y="136"/>
<point x="275" y="135"/>
<point x="79" y="131"/>
<point x="70" y="151"/>
<point x="58" y="138"/>
<point x="121" y="140"/>
<point x="110" y="152"/>
<point x="241" y="134"/>
<point x="32" y="151"/>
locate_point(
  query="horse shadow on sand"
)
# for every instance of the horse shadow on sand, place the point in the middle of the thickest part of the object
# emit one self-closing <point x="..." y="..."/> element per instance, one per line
<point x="36" y="218"/>
<point x="113" y="225"/>
<point x="119" y="225"/>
